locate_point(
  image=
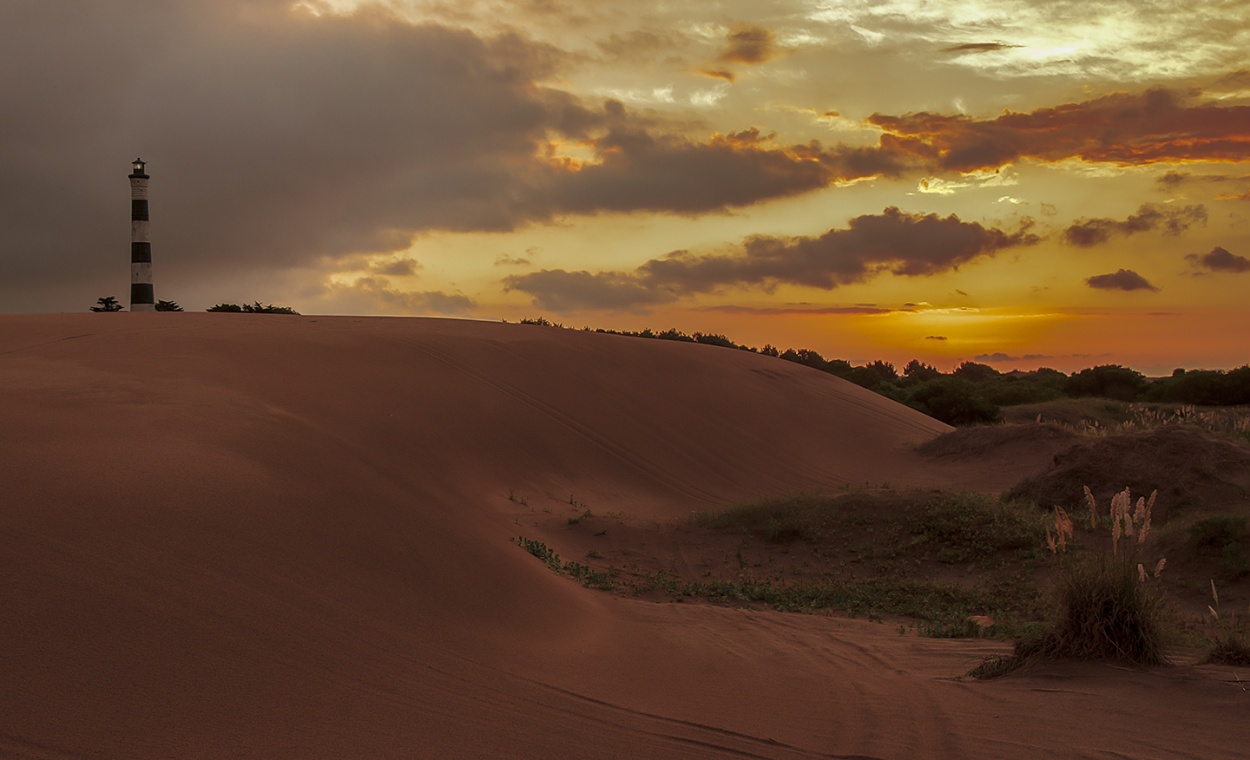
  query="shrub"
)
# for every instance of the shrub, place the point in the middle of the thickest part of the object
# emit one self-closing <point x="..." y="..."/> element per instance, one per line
<point x="954" y="401"/>
<point x="107" y="304"/>
<point x="1106" y="607"/>
<point x="1108" y="381"/>
<point x="253" y="308"/>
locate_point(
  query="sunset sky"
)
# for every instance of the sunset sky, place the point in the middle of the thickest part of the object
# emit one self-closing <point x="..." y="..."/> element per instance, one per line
<point x="1044" y="183"/>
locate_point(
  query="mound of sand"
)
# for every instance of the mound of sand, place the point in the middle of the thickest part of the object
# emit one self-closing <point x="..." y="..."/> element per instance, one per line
<point x="996" y="457"/>
<point x="272" y="536"/>
<point x="1190" y="468"/>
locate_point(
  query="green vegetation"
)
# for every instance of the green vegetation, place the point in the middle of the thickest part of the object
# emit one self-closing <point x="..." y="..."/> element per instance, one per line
<point x="944" y="610"/>
<point x="946" y="564"/>
<point x="965" y="528"/>
<point x="583" y="574"/>
<point x="868" y="554"/>
<point x="167" y="306"/>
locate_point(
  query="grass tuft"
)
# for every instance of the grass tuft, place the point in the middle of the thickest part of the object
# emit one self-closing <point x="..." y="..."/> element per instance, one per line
<point x="1230" y="644"/>
<point x="1106" y="607"/>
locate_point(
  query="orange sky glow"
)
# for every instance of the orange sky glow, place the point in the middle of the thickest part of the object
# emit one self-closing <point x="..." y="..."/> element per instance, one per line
<point x="1025" y="184"/>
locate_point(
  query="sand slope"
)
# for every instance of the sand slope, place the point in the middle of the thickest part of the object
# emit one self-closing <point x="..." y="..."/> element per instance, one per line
<point x="268" y="536"/>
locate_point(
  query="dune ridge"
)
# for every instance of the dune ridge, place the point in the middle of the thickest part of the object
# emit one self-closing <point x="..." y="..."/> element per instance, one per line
<point x="273" y="536"/>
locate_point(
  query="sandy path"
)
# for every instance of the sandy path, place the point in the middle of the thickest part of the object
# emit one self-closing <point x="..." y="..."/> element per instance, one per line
<point x="255" y="536"/>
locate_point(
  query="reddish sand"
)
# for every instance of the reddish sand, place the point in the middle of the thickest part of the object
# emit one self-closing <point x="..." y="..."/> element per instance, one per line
<point x="266" y="536"/>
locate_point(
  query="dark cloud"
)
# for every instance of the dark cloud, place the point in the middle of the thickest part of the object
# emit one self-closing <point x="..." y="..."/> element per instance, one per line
<point x="746" y="45"/>
<point x="511" y="261"/>
<point x="1121" y="279"/>
<point x="1123" y="128"/>
<point x="560" y="290"/>
<point x="979" y="47"/>
<point x="1220" y="260"/>
<point x="1172" y="220"/>
<point x="803" y="309"/>
<point x="1174" y="179"/>
<point x="396" y="267"/>
<point x="725" y="74"/>
<point x="936" y="337"/>
<point x="999" y="356"/>
<point x="277" y="140"/>
<point x="893" y="242"/>
<point x="641" y="44"/>
<point x="642" y="170"/>
<point x="376" y="294"/>
<point x="749" y="44"/>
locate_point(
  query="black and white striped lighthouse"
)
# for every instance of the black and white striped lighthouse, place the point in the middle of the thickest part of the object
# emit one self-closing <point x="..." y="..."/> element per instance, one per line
<point x="142" y="296"/>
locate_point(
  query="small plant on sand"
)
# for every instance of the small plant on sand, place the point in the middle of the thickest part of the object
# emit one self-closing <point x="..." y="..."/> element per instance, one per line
<point x="1106" y="605"/>
<point x="583" y="574"/>
<point x="107" y="304"/>
<point x="1230" y="644"/>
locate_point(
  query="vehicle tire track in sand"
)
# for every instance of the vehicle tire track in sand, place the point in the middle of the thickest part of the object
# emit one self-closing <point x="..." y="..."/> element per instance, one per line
<point x="866" y="682"/>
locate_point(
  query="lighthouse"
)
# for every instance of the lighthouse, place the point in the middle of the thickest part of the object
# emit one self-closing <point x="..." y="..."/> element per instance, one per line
<point x="142" y="296"/>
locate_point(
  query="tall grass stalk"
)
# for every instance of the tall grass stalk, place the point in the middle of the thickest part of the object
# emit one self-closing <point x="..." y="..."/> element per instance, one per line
<point x="1230" y="644"/>
<point x="1105" y="605"/>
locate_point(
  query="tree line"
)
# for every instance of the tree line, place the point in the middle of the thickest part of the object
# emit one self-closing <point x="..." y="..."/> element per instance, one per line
<point x="974" y="393"/>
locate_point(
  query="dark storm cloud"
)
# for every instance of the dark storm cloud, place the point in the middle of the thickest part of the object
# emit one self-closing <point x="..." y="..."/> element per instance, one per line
<point x="936" y="337"/>
<point x="276" y="139"/>
<point x="1121" y="279"/>
<point x="893" y="242"/>
<point x="1220" y="260"/>
<point x="1173" y="221"/>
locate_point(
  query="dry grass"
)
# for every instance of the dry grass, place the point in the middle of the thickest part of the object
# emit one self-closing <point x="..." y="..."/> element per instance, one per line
<point x="1106" y="606"/>
<point x="1229" y="642"/>
<point x="1104" y="417"/>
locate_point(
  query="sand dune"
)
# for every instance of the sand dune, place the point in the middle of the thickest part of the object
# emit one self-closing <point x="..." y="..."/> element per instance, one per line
<point x="268" y="536"/>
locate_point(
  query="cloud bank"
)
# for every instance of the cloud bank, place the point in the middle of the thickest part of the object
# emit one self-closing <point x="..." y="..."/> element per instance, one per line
<point x="893" y="242"/>
<point x="1087" y="233"/>
<point x="1220" y="260"/>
